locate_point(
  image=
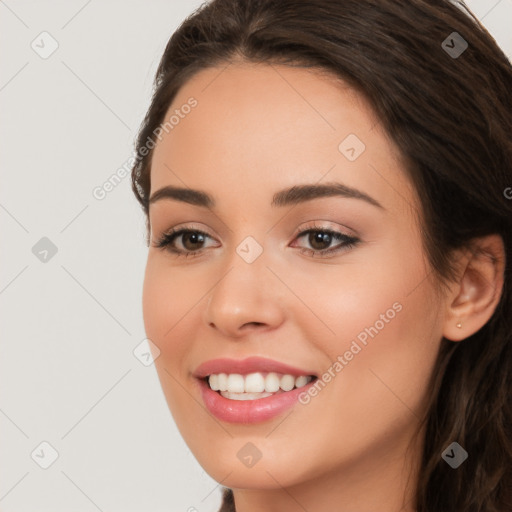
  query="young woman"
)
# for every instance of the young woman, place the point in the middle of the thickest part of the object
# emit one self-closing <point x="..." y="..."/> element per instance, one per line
<point x="327" y="185"/>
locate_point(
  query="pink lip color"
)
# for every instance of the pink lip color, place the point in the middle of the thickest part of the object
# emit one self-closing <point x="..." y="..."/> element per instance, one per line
<point x="248" y="411"/>
<point x="245" y="366"/>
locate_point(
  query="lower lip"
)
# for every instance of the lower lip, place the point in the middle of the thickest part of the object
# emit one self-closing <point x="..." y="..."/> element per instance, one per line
<point x="249" y="411"/>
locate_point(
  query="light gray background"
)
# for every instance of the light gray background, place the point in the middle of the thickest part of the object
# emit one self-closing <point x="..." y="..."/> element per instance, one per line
<point x="68" y="375"/>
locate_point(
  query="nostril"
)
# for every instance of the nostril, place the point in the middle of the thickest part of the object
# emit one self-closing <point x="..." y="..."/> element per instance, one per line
<point x="256" y="324"/>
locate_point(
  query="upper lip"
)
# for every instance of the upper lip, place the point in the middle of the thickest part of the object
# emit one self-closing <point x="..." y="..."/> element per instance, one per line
<point x="248" y="365"/>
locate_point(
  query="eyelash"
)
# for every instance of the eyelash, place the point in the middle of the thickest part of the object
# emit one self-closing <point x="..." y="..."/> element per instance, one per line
<point x="167" y="239"/>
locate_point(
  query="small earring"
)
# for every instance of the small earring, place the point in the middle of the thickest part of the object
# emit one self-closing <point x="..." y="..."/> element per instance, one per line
<point x="459" y="325"/>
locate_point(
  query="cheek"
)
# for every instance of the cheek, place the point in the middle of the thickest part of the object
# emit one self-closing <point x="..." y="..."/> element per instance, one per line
<point x="385" y="316"/>
<point x="168" y="304"/>
<point x="156" y="301"/>
<point x="168" y="310"/>
<point x="378" y="313"/>
<point x="173" y="302"/>
<point x="369" y="293"/>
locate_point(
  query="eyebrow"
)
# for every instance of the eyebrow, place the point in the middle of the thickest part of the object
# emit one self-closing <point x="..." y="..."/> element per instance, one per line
<point x="290" y="196"/>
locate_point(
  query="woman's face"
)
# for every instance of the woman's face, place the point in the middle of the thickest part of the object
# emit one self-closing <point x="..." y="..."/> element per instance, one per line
<point x="360" y="314"/>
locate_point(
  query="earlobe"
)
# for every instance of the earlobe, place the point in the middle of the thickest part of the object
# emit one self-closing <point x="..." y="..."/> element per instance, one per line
<point x="475" y="296"/>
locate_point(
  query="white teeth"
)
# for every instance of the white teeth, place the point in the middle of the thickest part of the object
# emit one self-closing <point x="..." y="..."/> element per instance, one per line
<point x="272" y="382"/>
<point x="214" y="382"/>
<point x="236" y="383"/>
<point x="222" y="382"/>
<point x="287" y="382"/>
<point x="244" y="396"/>
<point x="254" y="385"/>
<point x="300" y="381"/>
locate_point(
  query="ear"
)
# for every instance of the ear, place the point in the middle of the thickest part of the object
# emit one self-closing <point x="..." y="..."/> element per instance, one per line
<point x="474" y="297"/>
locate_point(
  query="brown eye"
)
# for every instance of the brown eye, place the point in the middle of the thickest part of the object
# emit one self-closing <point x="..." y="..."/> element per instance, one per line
<point x="190" y="242"/>
<point x="320" y="241"/>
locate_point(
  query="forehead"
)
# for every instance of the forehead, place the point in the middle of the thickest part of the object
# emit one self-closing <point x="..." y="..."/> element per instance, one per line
<point x="263" y="127"/>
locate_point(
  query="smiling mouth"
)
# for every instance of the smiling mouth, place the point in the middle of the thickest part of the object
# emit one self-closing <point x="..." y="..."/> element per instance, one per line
<point x="253" y="386"/>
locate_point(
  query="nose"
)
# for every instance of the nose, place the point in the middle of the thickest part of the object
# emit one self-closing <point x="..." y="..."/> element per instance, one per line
<point x="246" y="299"/>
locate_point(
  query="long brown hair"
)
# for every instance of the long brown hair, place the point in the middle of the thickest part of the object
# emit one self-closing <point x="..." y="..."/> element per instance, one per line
<point x="450" y="116"/>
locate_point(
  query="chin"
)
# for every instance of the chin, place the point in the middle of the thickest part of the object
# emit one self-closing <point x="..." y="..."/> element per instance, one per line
<point x="227" y="466"/>
<point x="258" y="477"/>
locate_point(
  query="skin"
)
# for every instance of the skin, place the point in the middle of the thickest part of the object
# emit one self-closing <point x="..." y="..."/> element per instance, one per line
<point x="258" y="129"/>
